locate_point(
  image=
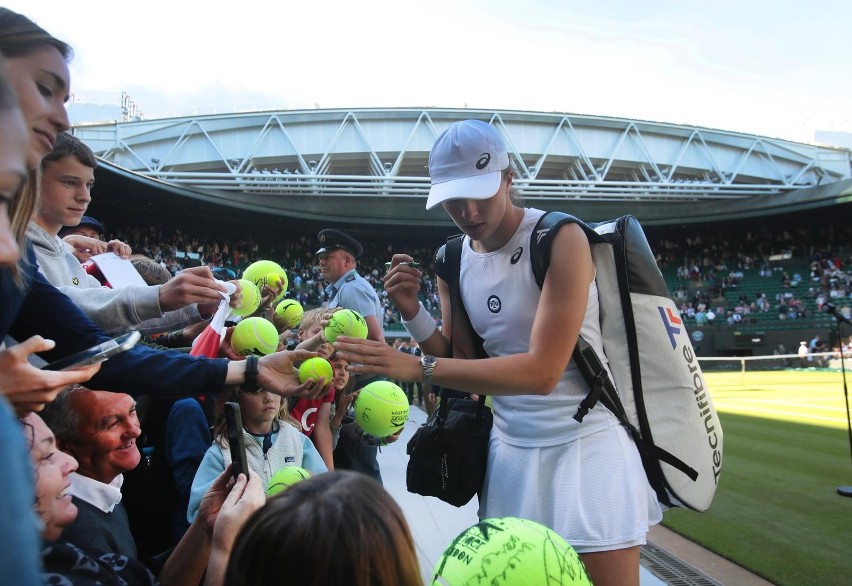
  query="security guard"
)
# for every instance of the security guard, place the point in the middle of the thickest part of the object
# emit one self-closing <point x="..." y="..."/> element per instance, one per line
<point x="350" y="290"/>
<point x="346" y="288"/>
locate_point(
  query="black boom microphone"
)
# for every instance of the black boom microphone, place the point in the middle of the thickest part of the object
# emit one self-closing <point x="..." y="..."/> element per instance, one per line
<point x="837" y="315"/>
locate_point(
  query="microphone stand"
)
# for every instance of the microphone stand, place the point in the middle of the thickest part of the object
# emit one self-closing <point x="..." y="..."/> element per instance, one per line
<point x="839" y="319"/>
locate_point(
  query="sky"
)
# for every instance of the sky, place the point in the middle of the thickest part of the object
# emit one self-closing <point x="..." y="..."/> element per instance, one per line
<point x="779" y="68"/>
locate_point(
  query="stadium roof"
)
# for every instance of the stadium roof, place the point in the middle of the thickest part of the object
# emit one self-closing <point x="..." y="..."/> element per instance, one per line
<point x="369" y="166"/>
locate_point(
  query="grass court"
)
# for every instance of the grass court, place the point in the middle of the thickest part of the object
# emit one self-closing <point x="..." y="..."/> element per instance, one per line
<point x="776" y="511"/>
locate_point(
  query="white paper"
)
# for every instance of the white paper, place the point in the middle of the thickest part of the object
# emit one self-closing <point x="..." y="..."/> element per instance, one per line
<point x="217" y="324"/>
<point x="119" y="272"/>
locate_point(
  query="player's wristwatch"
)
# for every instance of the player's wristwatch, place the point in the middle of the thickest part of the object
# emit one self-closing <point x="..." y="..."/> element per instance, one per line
<point x="428" y="363"/>
<point x="250" y="384"/>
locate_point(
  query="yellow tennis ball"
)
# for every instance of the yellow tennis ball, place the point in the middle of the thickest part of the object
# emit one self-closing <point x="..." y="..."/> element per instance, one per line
<point x="381" y="408"/>
<point x="285" y="478"/>
<point x="250" y="300"/>
<point x="254" y="335"/>
<point x="346" y="323"/>
<point x="513" y="551"/>
<point x="316" y="368"/>
<point x="288" y="314"/>
<point x="259" y="271"/>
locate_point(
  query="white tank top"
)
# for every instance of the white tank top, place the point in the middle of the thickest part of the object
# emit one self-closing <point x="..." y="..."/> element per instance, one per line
<point x="501" y="297"/>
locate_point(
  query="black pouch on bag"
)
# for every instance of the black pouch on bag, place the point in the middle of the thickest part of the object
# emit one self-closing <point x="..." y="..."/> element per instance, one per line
<point x="448" y="454"/>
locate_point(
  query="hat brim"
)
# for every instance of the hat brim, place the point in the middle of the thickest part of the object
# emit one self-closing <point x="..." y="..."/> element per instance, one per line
<point x="476" y="187"/>
<point x="325" y="249"/>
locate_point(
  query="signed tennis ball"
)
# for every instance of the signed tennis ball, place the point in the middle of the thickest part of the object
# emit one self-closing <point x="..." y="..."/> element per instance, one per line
<point x="285" y="478"/>
<point x="346" y="323"/>
<point x="254" y="335"/>
<point x="510" y="550"/>
<point x="381" y="408"/>
<point x="259" y="272"/>
<point x="250" y="301"/>
<point x="288" y="314"/>
<point x="316" y="368"/>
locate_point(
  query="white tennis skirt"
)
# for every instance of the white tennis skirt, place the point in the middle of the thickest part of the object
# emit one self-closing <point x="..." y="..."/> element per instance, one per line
<point x="592" y="491"/>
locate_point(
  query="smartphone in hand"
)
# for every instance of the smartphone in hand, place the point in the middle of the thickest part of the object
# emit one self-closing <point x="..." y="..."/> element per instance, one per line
<point x="97" y="353"/>
<point x="236" y="442"/>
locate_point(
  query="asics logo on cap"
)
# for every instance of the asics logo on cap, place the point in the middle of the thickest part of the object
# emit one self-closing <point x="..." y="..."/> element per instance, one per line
<point x="483" y="161"/>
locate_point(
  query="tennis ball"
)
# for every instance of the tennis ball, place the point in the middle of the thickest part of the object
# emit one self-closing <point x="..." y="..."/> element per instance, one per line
<point x="315" y="368"/>
<point x="259" y="272"/>
<point x="288" y="314"/>
<point x="250" y="301"/>
<point x="254" y="335"/>
<point x="346" y="323"/>
<point x="513" y="551"/>
<point x="272" y="279"/>
<point x="285" y="478"/>
<point x="381" y="408"/>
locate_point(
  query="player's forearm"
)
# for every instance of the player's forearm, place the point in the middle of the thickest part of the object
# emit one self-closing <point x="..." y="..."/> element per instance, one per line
<point x="436" y="345"/>
<point x="519" y="374"/>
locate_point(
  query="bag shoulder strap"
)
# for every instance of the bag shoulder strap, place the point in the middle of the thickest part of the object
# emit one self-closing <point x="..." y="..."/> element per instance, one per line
<point x="448" y="262"/>
<point x="541" y="240"/>
<point x="601" y="387"/>
<point x="588" y="362"/>
<point x="448" y="267"/>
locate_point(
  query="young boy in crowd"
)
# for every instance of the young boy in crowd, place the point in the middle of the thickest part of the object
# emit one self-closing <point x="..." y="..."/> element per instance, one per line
<point x="68" y="175"/>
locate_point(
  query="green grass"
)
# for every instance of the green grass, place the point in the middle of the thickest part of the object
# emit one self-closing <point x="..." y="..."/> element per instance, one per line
<point x="776" y="511"/>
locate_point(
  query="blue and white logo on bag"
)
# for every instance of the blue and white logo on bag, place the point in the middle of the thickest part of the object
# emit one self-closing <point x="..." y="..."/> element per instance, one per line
<point x="671" y="322"/>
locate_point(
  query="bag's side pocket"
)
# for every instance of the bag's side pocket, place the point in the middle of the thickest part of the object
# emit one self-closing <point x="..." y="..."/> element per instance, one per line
<point x="426" y="452"/>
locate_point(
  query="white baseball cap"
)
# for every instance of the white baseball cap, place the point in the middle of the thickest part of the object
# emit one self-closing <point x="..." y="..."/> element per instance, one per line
<point x="466" y="162"/>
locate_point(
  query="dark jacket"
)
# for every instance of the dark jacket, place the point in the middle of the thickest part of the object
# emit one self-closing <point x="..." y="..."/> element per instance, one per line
<point x="40" y="308"/>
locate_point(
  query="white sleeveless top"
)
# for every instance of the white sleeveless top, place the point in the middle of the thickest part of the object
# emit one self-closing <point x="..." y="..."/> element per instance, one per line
<point x="501" y="297"/>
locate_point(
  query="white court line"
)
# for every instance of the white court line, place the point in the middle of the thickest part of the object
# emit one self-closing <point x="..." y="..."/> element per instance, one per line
<point x="738" y="409"/>
<point x="811" y="405"/>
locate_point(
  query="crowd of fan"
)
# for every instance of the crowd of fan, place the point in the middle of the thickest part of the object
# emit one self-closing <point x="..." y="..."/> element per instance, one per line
<point x="707" y="271"/>
<point x="176" y="249"/>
